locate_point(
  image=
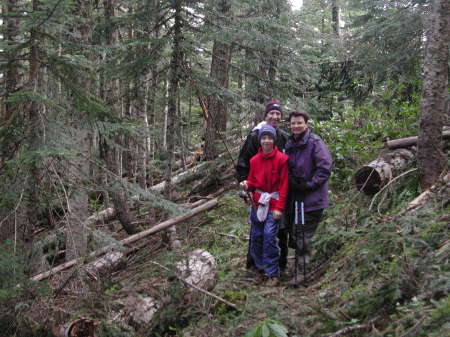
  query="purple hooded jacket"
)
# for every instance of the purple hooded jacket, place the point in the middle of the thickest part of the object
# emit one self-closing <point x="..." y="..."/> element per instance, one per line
<point x="310" y="159"/>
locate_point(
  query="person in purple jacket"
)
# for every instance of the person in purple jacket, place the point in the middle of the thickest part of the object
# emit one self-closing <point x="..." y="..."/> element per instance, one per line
<point x="309" y="169"/>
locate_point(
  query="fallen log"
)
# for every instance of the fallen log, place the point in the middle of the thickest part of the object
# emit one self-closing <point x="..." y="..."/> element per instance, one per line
<point x="191" y="174"/>
<point x="410" y="141"/>
<point x="163" y="225"/>
<point x="372" y="177"/>
<point x="100" y="217"/>
<point x="81" y="327"/>
<point x="106" y="264"/>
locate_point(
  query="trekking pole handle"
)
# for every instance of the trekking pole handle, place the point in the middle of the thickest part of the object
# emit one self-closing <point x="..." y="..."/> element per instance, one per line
<point x="302" y="210"/>
<point x="296" y="213"/>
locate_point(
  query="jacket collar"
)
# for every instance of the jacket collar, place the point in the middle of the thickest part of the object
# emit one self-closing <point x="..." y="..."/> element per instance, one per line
<point x="298" y="141"/>
<point x="269" y="155"/>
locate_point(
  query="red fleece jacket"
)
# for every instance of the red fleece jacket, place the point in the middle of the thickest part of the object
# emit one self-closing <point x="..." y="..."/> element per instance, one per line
<point x="269" y="173"/>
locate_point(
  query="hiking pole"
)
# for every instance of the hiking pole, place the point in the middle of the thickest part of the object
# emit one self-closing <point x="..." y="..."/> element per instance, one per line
<point x="302" y="209"/>
<point x="296" y="242"/>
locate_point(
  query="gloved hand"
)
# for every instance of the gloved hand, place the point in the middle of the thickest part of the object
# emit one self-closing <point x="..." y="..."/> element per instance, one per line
<point x="298" y="183"/>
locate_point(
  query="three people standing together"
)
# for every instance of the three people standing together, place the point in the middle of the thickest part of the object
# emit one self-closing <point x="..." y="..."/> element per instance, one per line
<point x="278" y="182"/>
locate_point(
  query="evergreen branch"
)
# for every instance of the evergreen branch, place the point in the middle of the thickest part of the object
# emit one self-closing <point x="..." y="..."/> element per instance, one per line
<point x="50" y="14"/>
<point x="386" y="186"/>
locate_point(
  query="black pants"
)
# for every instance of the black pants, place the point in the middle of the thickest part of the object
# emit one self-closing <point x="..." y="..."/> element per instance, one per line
<point x="300" y="237"/>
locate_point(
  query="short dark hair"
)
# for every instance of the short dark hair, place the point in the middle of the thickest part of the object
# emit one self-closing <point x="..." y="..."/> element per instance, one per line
<point x="299" y="113"/>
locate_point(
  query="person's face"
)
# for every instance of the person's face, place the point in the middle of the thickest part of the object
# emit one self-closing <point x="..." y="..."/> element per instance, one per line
<point x="298" y="125"/>
<point x="267" y="143"/>
<point x="273" y="117"/>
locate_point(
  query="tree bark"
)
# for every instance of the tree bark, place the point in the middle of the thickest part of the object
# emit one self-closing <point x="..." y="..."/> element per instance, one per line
<point x="216" y="117"/>
<point x="170" y="237"/>
<point x="34" y="135"/>
<point x="336" y="17"/>
<point x="111" y="151"/>
<point x="431" y="160"/>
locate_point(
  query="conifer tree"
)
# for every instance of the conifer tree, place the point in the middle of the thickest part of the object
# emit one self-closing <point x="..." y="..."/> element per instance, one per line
<point x="217" y="103"/>
<point x="434" y="104"/>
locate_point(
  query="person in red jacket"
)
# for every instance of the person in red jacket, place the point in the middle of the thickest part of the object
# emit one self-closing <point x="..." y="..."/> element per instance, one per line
<point x="268" y="182"/>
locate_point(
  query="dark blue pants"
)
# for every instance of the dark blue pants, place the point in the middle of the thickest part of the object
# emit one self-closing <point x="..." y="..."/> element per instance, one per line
<point x="264" y="247"/>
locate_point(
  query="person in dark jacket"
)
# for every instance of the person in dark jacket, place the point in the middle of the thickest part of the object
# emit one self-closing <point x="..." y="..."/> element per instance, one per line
<point x="310" y="166"/>
<point x="273" y="114"/>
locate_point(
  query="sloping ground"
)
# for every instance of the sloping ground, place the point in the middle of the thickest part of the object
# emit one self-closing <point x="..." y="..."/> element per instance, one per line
<point x="372" y="275"/>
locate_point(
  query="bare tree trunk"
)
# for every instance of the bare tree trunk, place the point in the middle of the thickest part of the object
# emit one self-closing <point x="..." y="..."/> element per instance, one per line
<point x="112" y="154"/>
<point x="79" y="171"/>
<point x="216" y="118"/>
<point x="12" y="69"/>
<point x="336" y="17"/>
<point x="9" y="112"/>
<point x="174" y="79"/>
<point x="34" y="135"/>
<point x="434" y="106"/>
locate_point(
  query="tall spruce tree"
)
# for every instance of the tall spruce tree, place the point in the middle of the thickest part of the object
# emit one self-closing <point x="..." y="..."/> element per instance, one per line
<point x="434" y="104"/>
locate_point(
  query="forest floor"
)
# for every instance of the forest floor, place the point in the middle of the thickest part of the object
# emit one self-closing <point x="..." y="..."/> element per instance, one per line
<point x="374" y="273"/>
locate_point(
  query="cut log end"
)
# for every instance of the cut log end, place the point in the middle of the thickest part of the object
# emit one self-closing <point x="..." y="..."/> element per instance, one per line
<point x="368" y="179"/>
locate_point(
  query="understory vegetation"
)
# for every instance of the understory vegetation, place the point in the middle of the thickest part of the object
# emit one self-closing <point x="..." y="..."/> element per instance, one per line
<point x="376" y="270"/>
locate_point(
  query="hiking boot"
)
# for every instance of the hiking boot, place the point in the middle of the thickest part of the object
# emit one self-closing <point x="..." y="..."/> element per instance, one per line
<point x="272" y="282"/>
<point x="285" y="274"/>
<point x="260" y="278"/>
<point x="297" y="281"/>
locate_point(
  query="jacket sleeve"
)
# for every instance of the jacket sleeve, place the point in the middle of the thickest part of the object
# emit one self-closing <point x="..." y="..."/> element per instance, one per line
<point x="323" y="164"/>
<point x="248" y="150"/>
<point x="284" y="185"/>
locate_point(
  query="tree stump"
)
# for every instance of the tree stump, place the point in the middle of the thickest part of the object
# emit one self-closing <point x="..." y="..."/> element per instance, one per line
<point x="372" y="177"/>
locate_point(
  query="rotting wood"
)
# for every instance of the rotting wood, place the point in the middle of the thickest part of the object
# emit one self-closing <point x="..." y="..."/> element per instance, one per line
<point x="372" y="177"/>
<point x="81" y="327"/>
<point x="161" y="226"/>
<point x="410" y="141"/>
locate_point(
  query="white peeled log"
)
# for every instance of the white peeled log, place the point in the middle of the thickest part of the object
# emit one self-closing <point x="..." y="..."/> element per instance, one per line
<point x="111" y="261"/>
<point x="99" y="217"/>
<point x="198" y="269"/>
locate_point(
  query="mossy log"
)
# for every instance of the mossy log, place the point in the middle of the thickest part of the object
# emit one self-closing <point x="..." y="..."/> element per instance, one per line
<point x="372" y="177"/>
